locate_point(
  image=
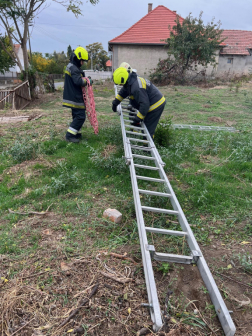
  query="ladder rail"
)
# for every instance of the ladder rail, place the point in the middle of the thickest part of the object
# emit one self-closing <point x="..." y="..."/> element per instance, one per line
<point x="147" y="264"/>
<point x="220" y="306"/>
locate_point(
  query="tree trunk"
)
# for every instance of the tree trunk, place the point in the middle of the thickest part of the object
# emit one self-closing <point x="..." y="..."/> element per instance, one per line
<point x="24" y="42"/>
<point x="24" y="48"/>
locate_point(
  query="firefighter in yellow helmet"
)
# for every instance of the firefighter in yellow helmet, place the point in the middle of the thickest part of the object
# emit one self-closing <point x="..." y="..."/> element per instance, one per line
<point x="126" y="66"/>
<point x="72" y="95"/>
<point x="144" y="96"/>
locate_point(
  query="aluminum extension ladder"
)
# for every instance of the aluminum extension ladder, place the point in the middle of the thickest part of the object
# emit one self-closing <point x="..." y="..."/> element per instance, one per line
<point x="136" y="143"/>
<point x="204" y="128"/>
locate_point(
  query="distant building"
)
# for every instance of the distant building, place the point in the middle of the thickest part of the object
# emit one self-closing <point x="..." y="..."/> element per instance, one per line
<point x="236" y="54"/>
<point x="109" y="65"/>
<point x="15" y="70"/>
<point x="143" y="45"/>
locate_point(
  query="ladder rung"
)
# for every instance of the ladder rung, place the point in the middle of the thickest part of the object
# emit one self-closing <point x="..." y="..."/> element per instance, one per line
<point x="143" y="157"/>
<point x="149" y="178"/>
<point x="136" y="133"/>
<point x="127" y="120"/>
<point x="170" y="212"/>
<point x="134" y="127"/>
<point x="128" y="116"/>
<point x="139" y="140"/>
<point x="154" y="193"/>
<point x="128" y="112"/>
<point x="168" y="232"/>
<point x="180" y="259"/>
<point x="148" y="149"/>
<point x="146" y="167"/>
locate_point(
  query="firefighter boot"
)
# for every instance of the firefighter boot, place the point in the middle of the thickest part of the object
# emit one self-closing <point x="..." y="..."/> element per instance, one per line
<point x="72" y="138"/>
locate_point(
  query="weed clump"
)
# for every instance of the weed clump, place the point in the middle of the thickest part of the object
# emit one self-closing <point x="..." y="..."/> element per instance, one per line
<point x="164" y="132"/>
<point x="23" y="150"/>
<point x="246" y="262"/>
<point x="67" y="179"/>
<point x="111" y="162"/>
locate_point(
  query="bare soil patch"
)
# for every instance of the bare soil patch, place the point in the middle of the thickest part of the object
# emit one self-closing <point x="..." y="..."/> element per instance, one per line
<point x="216" y="119"/>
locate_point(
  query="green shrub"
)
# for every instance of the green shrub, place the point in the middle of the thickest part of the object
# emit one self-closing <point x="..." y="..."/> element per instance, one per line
<point x="68" y="178"/>
<point x="246" y="262"/>
<point x="23" y="150"/>
<point x="164" y="132"/>
<point x="112" y="162"/>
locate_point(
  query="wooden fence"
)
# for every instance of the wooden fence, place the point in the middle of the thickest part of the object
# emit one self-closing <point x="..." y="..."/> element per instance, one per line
<point x="16" y="98"/>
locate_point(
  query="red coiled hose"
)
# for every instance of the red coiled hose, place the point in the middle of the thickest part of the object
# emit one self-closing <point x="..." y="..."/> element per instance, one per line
<point x="88" y="97"/>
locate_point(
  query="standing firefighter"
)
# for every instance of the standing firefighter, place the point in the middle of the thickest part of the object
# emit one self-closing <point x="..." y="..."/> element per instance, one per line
<point x="144" y="96"/>
<point x="72" y="95"/>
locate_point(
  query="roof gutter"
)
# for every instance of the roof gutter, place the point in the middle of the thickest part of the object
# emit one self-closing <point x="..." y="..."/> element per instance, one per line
<point x="137" y="43"/>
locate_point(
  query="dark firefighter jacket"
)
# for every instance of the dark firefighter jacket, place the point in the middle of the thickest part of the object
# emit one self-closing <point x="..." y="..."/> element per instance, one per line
<point x="72" y="95"/>
<point x="144" y="96"/>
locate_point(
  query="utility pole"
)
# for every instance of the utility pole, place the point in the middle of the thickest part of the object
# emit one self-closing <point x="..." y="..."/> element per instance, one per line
<point x="91" y="55"/>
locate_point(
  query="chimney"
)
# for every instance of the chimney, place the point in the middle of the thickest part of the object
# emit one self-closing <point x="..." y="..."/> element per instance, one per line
<point x="175" y="11"/>
<point x="149" y="7"/>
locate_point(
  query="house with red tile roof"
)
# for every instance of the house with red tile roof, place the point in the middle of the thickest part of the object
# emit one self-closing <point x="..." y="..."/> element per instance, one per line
<point x="143" y="45"/>
<point x="236" y="54"/>
<point x="109" y="65"/>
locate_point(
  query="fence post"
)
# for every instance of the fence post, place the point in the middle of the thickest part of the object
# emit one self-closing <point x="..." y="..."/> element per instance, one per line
<point x="13" y="101"/>
<point x="29" y="91"/>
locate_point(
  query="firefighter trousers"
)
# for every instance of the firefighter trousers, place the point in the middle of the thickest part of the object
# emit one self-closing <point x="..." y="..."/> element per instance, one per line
<point x="152" y="118"/>
<point x="79" y="117"/>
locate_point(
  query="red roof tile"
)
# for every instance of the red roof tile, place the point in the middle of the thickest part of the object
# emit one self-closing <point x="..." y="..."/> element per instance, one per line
<point x="237" y="43"/>
<point x="108" y="63"/>
<point x="151" y="29"/>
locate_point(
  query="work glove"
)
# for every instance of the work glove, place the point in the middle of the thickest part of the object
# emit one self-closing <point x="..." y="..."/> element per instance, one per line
<point x="136" y="121"/>
<point x="114" y="107"/>
<point x="90" y="80"/>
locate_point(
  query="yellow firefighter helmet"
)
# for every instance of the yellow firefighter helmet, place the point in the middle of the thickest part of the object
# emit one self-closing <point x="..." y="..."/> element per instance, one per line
<point x="81" y="54"/>
<point x="120" y="76"/>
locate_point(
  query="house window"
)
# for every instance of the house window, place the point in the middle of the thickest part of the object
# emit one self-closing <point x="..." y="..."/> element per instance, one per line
<point x="230" y="60"/>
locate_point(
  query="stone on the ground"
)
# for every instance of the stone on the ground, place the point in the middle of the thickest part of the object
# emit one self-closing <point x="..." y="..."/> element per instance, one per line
<point x="113" y="215"/>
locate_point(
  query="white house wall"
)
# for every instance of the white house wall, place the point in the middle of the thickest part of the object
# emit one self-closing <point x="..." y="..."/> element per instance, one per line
<point x="15" y="69"/>
<point x="145" y="58"/>
<point x="240" y="64"/>
<point x="142" y="58"/>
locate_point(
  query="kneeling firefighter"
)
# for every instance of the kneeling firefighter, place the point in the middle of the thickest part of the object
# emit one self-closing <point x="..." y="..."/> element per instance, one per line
<point x="72" y="95"/>
<point x="144" y="96"/>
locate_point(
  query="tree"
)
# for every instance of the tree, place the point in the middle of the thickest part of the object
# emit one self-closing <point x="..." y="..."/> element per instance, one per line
<point x="69" y="51"/>
<point x="51" y="63"/>
<point x="20" y="14"/>
<point x="98" y="54"/>
<point x="7" y="59"/>
<point x="39" y="62"/>
<point x="191" y="43"/>
<point x="58" y="62"/>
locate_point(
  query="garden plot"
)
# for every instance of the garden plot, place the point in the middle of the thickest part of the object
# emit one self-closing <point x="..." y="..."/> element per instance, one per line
<point x="54" y="243"/>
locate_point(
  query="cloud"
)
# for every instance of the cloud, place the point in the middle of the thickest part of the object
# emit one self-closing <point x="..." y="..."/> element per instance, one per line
<point x="55" y="28"/>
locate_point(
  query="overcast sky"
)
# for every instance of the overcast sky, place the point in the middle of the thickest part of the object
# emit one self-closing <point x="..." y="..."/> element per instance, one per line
<point x="55" y="28"/>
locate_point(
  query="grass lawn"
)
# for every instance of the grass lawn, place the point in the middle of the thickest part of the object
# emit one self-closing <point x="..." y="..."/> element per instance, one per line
<point x="54" y="242"/>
